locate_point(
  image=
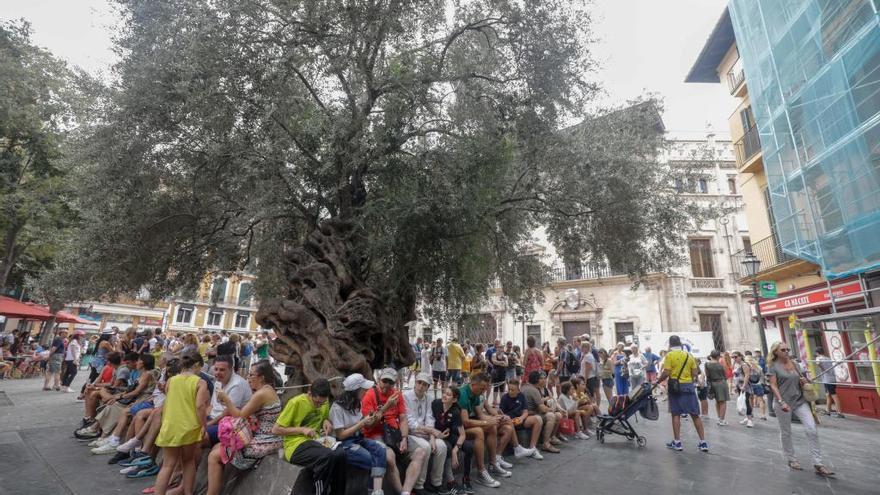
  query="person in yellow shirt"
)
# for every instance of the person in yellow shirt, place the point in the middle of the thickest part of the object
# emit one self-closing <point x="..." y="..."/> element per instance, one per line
<point x="454" y="358"/>
<point x="466" y="364"/>
<point x="681" y="366"/>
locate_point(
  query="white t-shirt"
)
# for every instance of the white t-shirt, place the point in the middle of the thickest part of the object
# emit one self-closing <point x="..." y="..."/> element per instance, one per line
<point x="588" y="358"/>
<point x="426" y="360"/>
<point x="825" y="363"/>
<point x="238" y="391"/>
<point x="567" y="403"/>
<point x="340" y="418"/>
<point x="637" y="364"/>
<point x="153" y="342"/>
<point x="438" y="359"/>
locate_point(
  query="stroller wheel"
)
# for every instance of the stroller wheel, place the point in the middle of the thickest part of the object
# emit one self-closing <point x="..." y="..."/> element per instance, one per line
<point x="600" y="435"/>
<point x="642" y="441"/>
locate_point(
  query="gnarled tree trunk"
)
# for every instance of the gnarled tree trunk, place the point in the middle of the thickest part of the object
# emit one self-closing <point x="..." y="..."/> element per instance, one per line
<point x="331" y="323"/>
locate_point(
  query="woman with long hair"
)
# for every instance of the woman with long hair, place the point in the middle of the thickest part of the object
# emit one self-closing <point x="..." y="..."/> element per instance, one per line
<point x="786" y="382"/>
<point x="606" y="374"/>
<point x="533" y="360"/>
<point x="447" y="417"/>
<point x="717" y="382"/>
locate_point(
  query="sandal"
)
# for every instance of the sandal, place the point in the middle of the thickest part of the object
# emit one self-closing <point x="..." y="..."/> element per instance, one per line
<point x="824" y="472"/>
<point x="551" y="449"/>
<point x="149" y="490"/>
<point x="795" y="465"/>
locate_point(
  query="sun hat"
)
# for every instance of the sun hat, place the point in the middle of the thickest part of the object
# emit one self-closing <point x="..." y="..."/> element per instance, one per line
<point x="356" y="381"/>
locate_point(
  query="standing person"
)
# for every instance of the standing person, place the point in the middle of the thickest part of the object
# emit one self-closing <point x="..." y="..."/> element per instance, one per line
<point x="590" y="370"/>
<point x="71" y="360"/>
<point x="533" y="360"/>
<point x="103" y="347"/>
<point x="427" y="352"/>
<point x="299" y="424"/>
<point x="454" y="360"/>
<point x="717" y="382"/>
<point x="393" y="417"/>
<point x="568" y="365"/>
<point x="438" y="365"/>
<point x="758" y="384"/>
<point x="247" y="353"/>
<point x="727" y="362"/>
<point x="498" y="363"/>
<point x="183" y="419"/>
<point x="651" y="367"/>
<point x="447" y="417"/>
<point x="416" y="367"/>
<point x="466" y="363"/>
<point x="744" y="374"/>
<point x="681" y="366"/>
<point x="510" y="371"/>
<point x="636" y="367"/>
<point x="606" y="375"/>
<point x="786" y="383"/>
<point x="621" y="378"/>
<point x="423" y="435"/>
<point x="345" y="414"/>
<point x="56" y="359"/>
<point x="829" y="381"/>
<point x="262" y="346"/>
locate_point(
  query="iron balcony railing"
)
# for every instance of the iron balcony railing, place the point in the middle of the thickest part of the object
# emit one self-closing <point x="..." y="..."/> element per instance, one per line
<point x="748" y="146"/>
<point x="583" y="272"/>
<point x="768" y="250"/>
<point x="734" y="78"/>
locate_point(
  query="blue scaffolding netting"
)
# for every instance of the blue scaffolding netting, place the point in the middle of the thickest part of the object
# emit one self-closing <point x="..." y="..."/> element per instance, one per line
<point x="813" y="74"/>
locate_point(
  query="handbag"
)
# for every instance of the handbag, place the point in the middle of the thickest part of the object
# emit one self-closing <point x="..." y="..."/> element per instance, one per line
<point x="391" y="436"/>
<point x="235" y="434"/>
<point x="673" y="386"/>
<point x="566" y="426"/>
<point x="808" y="390"/>
<point x="741" y="404"/>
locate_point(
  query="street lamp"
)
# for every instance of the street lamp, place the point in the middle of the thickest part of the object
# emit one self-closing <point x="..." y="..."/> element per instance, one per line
<point x="752" y="264"/>
<point x="524" y="315"/>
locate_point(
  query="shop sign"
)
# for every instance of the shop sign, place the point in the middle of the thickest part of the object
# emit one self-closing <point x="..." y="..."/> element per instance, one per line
<point x="818" y="297"/>
<point x="768" y="288"/>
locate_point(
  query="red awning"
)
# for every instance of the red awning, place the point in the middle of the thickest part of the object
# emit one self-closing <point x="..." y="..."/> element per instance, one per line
<point x="65" y="317"/>
<point x="13" y="308"/>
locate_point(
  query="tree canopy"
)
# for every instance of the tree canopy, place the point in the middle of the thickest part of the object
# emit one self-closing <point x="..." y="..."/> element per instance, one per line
<point x="443" y="132"/>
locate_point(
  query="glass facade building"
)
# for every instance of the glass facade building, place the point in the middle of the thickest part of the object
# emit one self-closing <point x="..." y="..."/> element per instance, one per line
<point x="813" y="74"/>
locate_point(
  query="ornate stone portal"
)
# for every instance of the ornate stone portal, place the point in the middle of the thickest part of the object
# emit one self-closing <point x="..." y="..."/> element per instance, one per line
<point x="331" y="323"/>
<point x="572" y="307"/>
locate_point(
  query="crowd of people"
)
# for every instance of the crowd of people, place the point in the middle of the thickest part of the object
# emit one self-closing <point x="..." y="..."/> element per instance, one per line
<point x="441" y="425"/>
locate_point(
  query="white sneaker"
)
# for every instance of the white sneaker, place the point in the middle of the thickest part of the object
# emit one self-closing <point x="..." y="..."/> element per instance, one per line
<point x="520" y="451"/>
<point x="749" y="424"/>
<point x="501" y="462"/>
<point x="129" y="469"/>
<point x="486" y="480"/>
<point x="128" y="446"/>
<point x="69" y="390"/>
<point x="536" y="455"/>
<point x="107" y="448"/>
<point x="723" y="423"/>
<point x="744" y="421"/>
<point x="581" y="435"/>
<point x="500" y="471"/>
<point x="98" y="442"/>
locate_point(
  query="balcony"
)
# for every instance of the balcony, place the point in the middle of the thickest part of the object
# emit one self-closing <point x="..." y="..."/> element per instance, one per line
<point x="775" y="263"/>
<point x="583" y="272"/>
<point x="736" y="79"/>
<point x="748" y="152"/>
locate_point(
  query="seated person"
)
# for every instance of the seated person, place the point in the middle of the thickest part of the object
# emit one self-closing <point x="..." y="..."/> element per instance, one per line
<point x="538" y="405"/>
<point x="118" y="404"/>
<point x="233" y="385"/>
<point x="5" y="366"/>
<point x="569" y="409"/>
<point x="447" y="418"/>
<point x="299" y="423"/>
<point x="390" y="403"/>
<point x="513" y="404"/>
<point x="265" y="406"/>
<point x="106" y="380"/>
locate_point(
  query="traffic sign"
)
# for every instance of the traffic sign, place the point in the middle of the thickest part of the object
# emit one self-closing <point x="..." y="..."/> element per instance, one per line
<point x="768" y="288"/>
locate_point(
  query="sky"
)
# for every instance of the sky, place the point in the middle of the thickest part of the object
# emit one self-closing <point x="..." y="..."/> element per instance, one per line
<point x="644" y="46"/>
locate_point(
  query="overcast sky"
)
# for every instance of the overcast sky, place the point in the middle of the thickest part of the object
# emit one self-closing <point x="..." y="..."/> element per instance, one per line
<point x="645" y="46"/>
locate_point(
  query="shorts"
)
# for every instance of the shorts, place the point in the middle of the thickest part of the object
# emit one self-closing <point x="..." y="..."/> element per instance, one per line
<point x="140" y="406"/>
<point x="455" y="376"/>
<point x="830" y="388"/>
<point x="54" y="363"/>
<point x="608" y="382"/>
<point x="499" y="381"/>
<point x="703" y="393"/>
<point x="758" y="390"/>
<point x="213" y="434"/>
<point x="439" y="376"/>
<point x="563" y="379"/>
<point x="684" y="403"/>
<point x="592" y="383"/>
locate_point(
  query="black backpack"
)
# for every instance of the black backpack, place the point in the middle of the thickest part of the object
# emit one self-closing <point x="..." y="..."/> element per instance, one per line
<point x="571" y="362"/>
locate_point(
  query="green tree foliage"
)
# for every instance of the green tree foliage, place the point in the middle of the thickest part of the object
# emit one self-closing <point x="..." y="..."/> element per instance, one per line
<point x="37" y="108"/>
<point x="442" y="130"/>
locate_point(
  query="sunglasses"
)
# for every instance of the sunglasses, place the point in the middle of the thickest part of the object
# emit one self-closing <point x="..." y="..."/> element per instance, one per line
<point x="387" y="381"/>
<point x="783" y="349"/>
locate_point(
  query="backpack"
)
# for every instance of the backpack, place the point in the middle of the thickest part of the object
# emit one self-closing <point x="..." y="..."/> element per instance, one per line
<point x="571" y="362"/>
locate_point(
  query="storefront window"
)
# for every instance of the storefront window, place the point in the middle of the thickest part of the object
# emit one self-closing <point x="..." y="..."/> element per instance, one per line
<point x="855" y="331"/>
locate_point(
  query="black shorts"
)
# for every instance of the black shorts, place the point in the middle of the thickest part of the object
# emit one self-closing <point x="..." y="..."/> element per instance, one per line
<point x="439" y="376"/>
<point x="563" y="379"/>
<point x="592" y="384"/>
<point x="703" y="393"/>
<point x="830" y="388"/>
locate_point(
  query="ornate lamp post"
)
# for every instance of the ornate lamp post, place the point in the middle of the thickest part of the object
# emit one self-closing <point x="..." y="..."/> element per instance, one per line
<point x="525" y="315"/>
<point x="752" y="264"/>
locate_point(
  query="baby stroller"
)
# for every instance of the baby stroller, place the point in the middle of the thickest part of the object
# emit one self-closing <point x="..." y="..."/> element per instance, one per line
<point x="623" y="408"/>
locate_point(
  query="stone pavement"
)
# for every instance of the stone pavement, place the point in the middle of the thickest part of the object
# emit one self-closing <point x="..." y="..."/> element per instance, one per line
<point x="39" y="456"/>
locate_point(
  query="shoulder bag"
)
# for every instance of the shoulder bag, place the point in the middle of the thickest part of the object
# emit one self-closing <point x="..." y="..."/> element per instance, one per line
<point x="673" y="386"/>
<point x="391" y="436"/>
<point x="808" y="390"/>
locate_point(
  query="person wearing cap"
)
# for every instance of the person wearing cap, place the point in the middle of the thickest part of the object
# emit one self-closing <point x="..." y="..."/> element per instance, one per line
<point x="392" y="415"/>
<point x="71" y="360"/>
<point x="363" y="453"/>
<point x="56" y="359"/>
<point x="422" y="434"/>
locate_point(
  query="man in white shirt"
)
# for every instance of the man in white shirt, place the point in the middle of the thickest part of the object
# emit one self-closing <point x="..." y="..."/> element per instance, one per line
<point x="422" y="434"/>
<point x="233" y="385"/>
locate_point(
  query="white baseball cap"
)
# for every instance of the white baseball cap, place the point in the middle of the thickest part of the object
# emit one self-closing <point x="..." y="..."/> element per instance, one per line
<point x="424" y="377"/>
<point x="388" y="374"/>
<point x="356" y="381"/>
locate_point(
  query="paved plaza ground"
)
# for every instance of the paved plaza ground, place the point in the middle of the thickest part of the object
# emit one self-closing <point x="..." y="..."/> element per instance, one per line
<point x="38" y="455"/>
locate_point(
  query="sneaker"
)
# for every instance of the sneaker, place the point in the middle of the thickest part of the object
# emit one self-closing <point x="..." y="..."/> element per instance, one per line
<point x="107" y="448"/>
<point x="536" y="455"/>
<point x="153" y="470"/>
<point x="744" y="421"/>
<point x="723" y="423"/>
<point x="117" y="457"/>
<point x="749" y="424"/>
<point x="764" y="418"/>
<point x="562" y="437"/>
<point x="439" y="490"/>
<point x="499" y="471"/>
<point x="486" y="480"/>
<point x="581" y="435"/>
<point x="128" y="469"/>
<point x="377" y="492"/>
<point x="502" y="463"/>
<point x="69" y="390"/>
<point x="520" y="451"/>
<point x="837" y="415"/>
<point x="98" y="442"/>
<point x="675" y="445"/>
<point x="129" y="445"/>
<point x="467" y="488"/>
<point x="703" y="446"/>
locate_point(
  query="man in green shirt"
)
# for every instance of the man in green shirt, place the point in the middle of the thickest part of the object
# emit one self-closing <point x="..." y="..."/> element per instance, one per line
<point x="299" y="423"/>
<point x="262" y="347"/>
